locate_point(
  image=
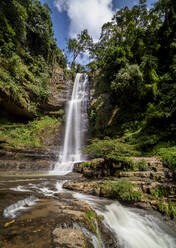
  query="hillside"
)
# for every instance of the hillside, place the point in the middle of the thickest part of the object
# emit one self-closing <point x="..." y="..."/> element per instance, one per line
<point x="33" y="84"/>
<point x="133" y="73"/>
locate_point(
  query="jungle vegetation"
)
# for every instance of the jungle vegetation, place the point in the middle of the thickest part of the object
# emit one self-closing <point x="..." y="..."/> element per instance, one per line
<point x="28" y="53"/>
<point x="133" y="74"/>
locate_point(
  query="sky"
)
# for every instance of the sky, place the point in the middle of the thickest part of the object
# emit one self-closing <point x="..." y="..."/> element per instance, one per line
<point x="70" y="17"/>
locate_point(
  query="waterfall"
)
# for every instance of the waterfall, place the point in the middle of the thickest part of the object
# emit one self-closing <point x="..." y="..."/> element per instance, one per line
<point x="75" y="127"/>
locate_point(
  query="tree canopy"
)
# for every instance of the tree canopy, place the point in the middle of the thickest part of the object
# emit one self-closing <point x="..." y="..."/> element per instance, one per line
<point x="133" y="67"/>
<point x="79" y="45"/>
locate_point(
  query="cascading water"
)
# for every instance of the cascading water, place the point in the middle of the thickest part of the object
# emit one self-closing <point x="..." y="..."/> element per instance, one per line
<point x="132" y="228"/>
<point x="76" y="126"/>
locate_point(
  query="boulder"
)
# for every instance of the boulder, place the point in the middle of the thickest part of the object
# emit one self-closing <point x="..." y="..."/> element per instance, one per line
<point x="69" y="238"/>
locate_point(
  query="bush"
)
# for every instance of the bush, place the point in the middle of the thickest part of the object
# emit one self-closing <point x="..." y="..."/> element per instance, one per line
<point x="17" y="135"/>
<point x="167" y="208"/>
<point x="110" y="149"/>
<point x="124" y="190"/>
<point x="130" y="165"/>
<point x="168" y="156"/>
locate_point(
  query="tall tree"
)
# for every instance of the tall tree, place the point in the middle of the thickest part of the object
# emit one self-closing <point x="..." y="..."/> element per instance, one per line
<point x="79" y="45"/>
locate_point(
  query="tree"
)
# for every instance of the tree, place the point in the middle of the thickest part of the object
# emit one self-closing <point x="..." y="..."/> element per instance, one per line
<point x="79" y="45"/>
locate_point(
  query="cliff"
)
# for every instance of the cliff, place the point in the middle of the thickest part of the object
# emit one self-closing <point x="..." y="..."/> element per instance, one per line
<point x="33" y="144"/>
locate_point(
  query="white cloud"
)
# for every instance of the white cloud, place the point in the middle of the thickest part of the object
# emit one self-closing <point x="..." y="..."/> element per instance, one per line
<point x="86" y="14"/>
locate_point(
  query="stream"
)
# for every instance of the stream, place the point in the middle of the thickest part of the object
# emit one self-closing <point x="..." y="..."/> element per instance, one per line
<point x="132" y="228"/>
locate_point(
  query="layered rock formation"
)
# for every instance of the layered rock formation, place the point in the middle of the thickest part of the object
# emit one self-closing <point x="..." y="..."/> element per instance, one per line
<point x="153" y="187"/>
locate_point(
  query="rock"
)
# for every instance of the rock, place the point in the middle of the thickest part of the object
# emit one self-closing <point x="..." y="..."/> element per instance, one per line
<point x="20" y="107"/>
<point x="26" y="159"/>
<point x="153" y="162"/>
<point x="69" y="238"/>
<point x="59" y="222"/>
<point x="89" y="187"/>
<point x="59" y="91"/>
<point x="95" y="168"/>
<point x="33" y="158"/>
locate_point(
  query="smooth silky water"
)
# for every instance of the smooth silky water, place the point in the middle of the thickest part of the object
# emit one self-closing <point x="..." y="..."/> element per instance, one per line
<point x="132" y="228"/>
<point x="75" y="127"/>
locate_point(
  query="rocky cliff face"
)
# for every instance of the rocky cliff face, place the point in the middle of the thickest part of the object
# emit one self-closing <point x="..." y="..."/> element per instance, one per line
<point x="47" y="135"/>
<point x="59" y="91"/>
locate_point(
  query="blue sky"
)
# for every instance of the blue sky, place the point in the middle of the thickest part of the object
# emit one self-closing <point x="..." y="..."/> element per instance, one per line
<point x="71" y="16"/>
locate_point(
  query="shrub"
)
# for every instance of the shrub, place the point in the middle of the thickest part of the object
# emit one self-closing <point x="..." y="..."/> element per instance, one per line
<point x="168" y="156"/>
<point x="130" y="165"/>
<point x="142" y="165"/>
<point x="26" y="134"/>
<point x="167" y="208"/>
<point x="110" y="149"/>
<point x="124" y="190"/>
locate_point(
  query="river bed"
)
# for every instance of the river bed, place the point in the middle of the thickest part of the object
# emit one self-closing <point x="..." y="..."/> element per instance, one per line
<point x="29" y="210"/>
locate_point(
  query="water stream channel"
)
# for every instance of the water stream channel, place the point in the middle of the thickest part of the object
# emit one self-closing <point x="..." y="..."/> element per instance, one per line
<point x="34" y="198"/>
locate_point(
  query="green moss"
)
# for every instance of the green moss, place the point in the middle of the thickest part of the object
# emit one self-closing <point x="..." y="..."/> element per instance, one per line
<point x="101" y="217"/>
<point x="168" y="155"/>
<point x="90" y="218"/>
<point x="85" y="164"/>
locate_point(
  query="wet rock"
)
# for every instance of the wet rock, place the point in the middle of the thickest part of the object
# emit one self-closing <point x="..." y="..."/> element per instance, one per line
<point x="69" y="238"/>
<point x="31" y="159"/>
<point x="89" y="187"/>
<point x="54" y="223"/>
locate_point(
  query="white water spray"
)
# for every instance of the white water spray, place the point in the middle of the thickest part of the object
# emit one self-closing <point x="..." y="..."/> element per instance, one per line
<point x="76" y="126"/>
<point x="135" y="231"/>
<point x="132" y="228"/>
<point x="12" y="210"/>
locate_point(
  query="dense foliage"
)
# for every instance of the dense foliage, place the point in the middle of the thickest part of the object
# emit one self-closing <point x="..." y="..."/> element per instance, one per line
<point x="26" y="30"/>
<point x="28" y="53"/>
<point x="133" y="70"/>
<point x="110" y="149"/>
<point x="34" y="133"/>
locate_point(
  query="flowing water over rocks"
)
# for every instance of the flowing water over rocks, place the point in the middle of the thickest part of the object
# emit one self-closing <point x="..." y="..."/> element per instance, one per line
<point x="38" y="212"/>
